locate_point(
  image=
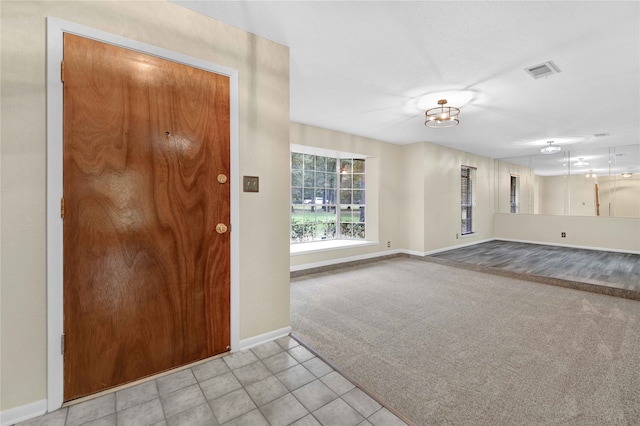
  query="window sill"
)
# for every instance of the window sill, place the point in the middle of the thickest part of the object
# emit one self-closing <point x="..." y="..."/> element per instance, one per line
<point x="320" y="246"/>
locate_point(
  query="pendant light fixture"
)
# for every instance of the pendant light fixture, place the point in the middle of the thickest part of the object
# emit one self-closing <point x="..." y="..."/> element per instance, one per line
<point x="550" y="149"/>
<point x="581" y="163"/>
<point x="442" y="116"/>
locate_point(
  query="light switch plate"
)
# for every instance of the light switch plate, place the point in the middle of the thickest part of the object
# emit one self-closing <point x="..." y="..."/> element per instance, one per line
<point x="250" y="183"/>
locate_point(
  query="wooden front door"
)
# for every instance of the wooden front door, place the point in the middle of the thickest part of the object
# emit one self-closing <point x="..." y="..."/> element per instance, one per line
<point x="146" y="273"/>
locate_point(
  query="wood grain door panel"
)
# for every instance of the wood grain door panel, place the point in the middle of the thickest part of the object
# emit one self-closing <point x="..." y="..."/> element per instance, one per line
<point x="146" y="276"/>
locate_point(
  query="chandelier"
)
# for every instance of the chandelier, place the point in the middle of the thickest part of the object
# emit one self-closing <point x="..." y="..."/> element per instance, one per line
<point x="581" y="163"/>
<point x="550" y="149"/>
<point x="442" y="116"/>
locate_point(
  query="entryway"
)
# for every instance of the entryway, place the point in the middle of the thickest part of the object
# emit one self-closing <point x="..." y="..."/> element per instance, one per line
<point x="146" y="212"/>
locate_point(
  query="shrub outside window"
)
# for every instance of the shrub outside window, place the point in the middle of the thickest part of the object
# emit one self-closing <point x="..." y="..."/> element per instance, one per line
<point x="327" y="198"/>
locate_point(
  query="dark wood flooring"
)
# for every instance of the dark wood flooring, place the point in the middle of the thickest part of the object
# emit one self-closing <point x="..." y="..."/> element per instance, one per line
<point x="602" y="268"/>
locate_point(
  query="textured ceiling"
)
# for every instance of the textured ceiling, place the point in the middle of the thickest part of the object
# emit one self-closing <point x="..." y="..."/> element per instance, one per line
<point x="364" y="67"/>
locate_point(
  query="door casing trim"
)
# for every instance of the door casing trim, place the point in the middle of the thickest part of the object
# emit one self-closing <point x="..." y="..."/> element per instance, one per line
<point x="54" y="89"/>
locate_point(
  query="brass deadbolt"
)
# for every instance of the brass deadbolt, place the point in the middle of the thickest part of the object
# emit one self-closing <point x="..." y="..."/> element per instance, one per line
<point x="222" y="178"/>
<point x="221" y="228"/>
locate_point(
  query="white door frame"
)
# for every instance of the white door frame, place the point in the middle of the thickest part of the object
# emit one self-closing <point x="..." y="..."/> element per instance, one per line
<point x="55" y="300"/>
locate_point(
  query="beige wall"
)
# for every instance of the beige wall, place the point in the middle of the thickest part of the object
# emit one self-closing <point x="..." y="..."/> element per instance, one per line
<point x="442" y="197"/>
<point x="575" y="195"/>
<point x="527" y="196"/>
<point x="619" y="196"/>
<point x="413" y="186"/>
<point x="383" y="186"/>
<point x="264" y="146"/>
<point x="582" y="196"/>
<point x="613" y="233"/>
<point x="554" y="195"/>
<point x="418" y="185"/>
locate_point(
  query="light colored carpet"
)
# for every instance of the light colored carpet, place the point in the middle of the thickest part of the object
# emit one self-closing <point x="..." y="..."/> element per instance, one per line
<point x="447" y="346"/>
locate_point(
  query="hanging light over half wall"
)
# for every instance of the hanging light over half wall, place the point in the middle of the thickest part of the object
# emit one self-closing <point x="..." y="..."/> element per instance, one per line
<point x="581" y="163"/>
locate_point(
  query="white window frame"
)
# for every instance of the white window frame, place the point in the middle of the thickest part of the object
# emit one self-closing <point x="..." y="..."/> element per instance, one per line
<point x="338" y="155"/>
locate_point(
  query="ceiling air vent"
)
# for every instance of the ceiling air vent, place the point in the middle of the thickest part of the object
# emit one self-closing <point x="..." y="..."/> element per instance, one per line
<point x="543" y="70"/>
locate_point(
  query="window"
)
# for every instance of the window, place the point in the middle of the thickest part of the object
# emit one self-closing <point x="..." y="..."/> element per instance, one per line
<point x="327" y="198"/>
<point x="467" y="199"/>
<point x="514" y="197"/>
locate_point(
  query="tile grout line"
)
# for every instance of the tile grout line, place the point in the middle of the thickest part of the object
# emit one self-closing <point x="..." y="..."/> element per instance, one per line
<point x="299" y="361"/>
<point x="272" y="374"/>
<point x="354" y="382"/>
<point x="244" y="388"/>
<point x="296" y="398"/>
<point x="164" y="415"/>
<point x="315" y="378"/>
<point x="290" y="392"/>
<point x="206" y="401"/>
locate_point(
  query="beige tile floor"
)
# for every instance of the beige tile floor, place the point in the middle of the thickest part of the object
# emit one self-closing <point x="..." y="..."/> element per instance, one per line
<point x="278" y="383"/>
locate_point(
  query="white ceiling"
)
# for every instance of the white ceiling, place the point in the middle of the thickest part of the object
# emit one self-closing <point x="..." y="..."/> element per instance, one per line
<point x="364" y="67"/>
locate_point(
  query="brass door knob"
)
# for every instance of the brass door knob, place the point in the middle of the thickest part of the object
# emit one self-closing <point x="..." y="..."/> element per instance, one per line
<point x="222" y="178"/>
<point x="221" y="228"/>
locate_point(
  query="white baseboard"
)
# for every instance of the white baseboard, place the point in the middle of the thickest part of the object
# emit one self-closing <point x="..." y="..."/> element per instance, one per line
<point x="412" y="252"/>
<point x="344" y="260"/>
<point x="430" y="252"/>
<point x="264" y="338"/>
<point x="23" y="412"/>
<point x="340" y="260"/>
<point x="546" y="243"/>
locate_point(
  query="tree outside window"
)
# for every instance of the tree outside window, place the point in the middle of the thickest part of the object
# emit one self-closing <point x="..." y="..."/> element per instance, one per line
<point x="514" y="196"/>
<point x="327" y="198"/>
<point x="467" y="199"/>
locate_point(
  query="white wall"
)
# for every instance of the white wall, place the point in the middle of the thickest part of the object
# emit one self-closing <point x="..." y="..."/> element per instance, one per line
<point x="264" y="151"/>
